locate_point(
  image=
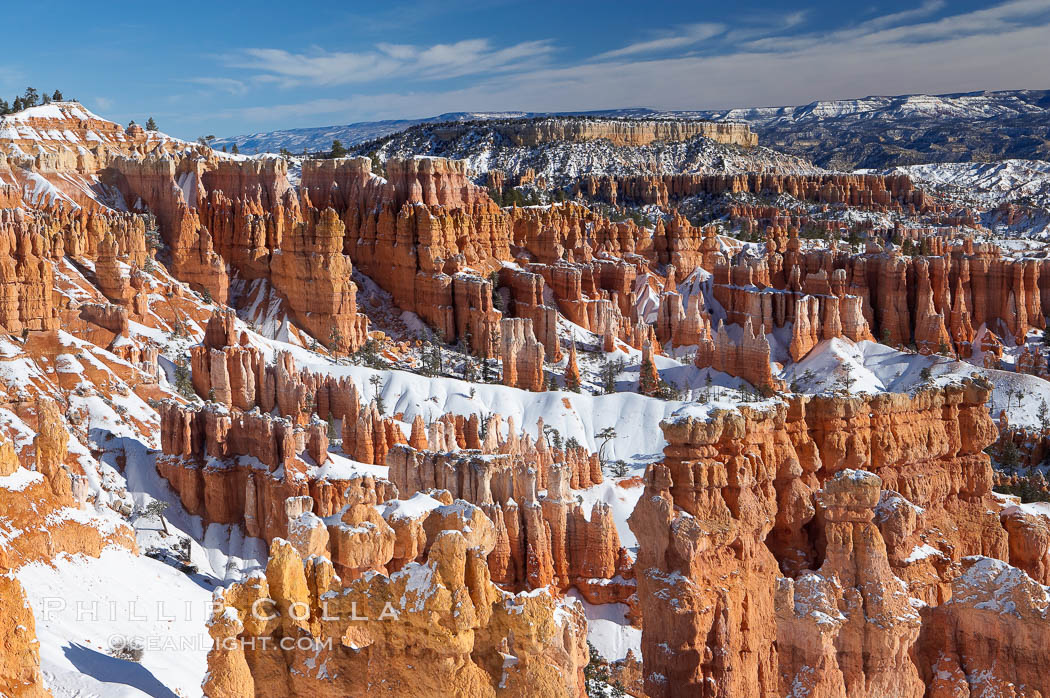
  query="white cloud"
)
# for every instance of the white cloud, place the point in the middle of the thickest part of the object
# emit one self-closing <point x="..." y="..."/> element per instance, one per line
<point x="688" y="35"/>
<point x="230" y="85"/>
<point x="893" y="30"/>
<point x="924" y="10"/>
<point x="440" y="61"/>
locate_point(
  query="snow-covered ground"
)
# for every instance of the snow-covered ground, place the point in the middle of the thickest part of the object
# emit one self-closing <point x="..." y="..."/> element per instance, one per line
<point x="990" y="183"/>
<point x="85" y="608"/>
<point x="875" y="368"/>
<point x="862" y="367"/>
<point x="609" y="630"/>
<point x="984" y="186"/>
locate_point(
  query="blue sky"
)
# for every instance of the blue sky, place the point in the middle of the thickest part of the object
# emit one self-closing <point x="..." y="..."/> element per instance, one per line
<point x="226" y="68"/>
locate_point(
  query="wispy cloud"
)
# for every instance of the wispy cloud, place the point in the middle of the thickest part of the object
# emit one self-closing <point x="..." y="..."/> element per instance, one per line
<point x="688" y="35"/>
<point x="439" y="61"/>
<point x="899" y="28"/>
<point x="229" y="85"/>
<point x="926" y="9"/>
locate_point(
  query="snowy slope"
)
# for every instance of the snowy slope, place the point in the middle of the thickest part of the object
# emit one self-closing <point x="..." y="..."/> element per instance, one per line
<point x="875" y="368"/>
<point x="987" y="183"/>
<point x="85" y="607"/>
<point x="970" y="105"/>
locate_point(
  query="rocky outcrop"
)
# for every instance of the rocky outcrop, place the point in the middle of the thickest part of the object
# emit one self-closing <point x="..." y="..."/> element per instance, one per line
<point x="928" y="448"/>
<point x="539" y="540"/>
<point x="702" y="522"/>
<point x="51" y="444"/>
<point x="818" y="307"/>
<point x="848" y="629"/>
<point x="748" y="359"/>
<point x="1029" y="540"/>
<point x="20" y="675"/>
<point x="26" y="278"/>
<point x="436" y="628"/>
<point x="750" y="496"/>
<point x="312" y="272"/>
<point x="878" y="192"/>
<point x="522" y="355"/>
<point x="934" y="302"/>
<point x="989" y="637"/>
<point x="202" y="447"/>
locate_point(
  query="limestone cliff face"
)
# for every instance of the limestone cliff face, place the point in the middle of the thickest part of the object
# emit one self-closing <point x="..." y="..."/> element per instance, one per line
<point x="933" y="302"/>
<point x="704" y="575"/>
<point x="436" y="628"/>
<point x="930" y="302"/>
<point x="45" y="514"/>
<point x="748" y="359"/>
<point x="618" y="132"/>
<point x="216" y="214"/>
<point x="522" y="355"/>
<point x="34" y="241"/>
<point x="311" y="270"/>
<point x="547" y="540"/>
<point x="26" y="280"/>
<point x="64" y="137"/>
<point x="928" y="448"/>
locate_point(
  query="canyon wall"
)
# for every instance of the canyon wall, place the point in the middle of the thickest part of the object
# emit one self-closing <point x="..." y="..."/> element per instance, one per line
<point x="769" y="559"/>
<point x="631" y="132"/>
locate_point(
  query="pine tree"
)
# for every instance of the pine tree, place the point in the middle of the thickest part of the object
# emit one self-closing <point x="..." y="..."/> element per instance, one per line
<point x="235" y="150"/>
<point x="151" y="125"/>
<point x="605" y="435"/>
<point x="155" y="510"/>
<point x="338" y="149"/>
<point x="57" y="96"/>
<point x="376" y="382"/>
<point x="30" y="98"/>
<point x="647" y="384"/>
<point x="607" y="375"/>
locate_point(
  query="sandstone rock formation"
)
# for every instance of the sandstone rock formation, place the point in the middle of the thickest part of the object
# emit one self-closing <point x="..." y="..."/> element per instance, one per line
<point x="989" y="637"/>
<point x="849" y="628"/>
<point x="753" y="495"/>
<point x="19" y="650"/>
<point x="436" y="628"/>
<point x="522" y="355"/>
